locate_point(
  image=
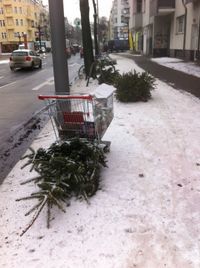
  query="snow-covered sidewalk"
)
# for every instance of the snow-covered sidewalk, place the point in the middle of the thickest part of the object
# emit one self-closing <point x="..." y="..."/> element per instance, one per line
<point x="146" y="214"/>
<point x="177" y="64"/>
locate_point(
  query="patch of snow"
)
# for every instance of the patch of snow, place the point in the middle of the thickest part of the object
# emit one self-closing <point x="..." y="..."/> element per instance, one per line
<point x="163" y="60"/>
<point x="104" y="91"/>
<point x="180" y="65"/>
<point x="147" y="211"/>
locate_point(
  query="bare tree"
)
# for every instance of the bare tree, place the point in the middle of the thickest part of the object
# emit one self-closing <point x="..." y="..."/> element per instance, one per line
<point x="96" y="45"/>
<point x="86" y="36"/>
<point x="103" y="30"/>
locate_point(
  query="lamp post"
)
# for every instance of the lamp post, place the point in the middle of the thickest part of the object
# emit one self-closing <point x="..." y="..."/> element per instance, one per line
<point x="19" y="36"/>
<point x="39" y="36"/>
<point x="60" y="65"/>
<point x="25" y="40"/>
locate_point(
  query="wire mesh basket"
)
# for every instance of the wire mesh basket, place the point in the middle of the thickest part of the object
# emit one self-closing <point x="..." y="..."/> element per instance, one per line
<point x="83" y="116"/>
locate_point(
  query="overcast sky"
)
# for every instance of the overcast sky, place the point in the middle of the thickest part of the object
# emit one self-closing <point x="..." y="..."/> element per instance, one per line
<point x="72" y="10"/>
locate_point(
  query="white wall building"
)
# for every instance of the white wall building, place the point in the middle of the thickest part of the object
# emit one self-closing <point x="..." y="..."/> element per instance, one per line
<point x="119" y="19"/>
<point x="166" y="27"/>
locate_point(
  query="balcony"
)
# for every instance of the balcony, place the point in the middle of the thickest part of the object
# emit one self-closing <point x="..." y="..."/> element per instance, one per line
<point x="192" y="1"/>
<point x="162" y="7"/>
<point x="137" y="21"/>
<point x="10" y="27"/>
<point x="8" y="14"/>
<point x="7" y="2"/>
<point x="165" y="7"/>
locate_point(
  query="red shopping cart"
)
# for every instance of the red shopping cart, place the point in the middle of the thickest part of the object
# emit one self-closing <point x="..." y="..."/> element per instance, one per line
<point x="81" y="116"/>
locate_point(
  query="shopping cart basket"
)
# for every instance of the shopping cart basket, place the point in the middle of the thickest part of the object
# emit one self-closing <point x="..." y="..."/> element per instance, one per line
<point x="78" y="116"/>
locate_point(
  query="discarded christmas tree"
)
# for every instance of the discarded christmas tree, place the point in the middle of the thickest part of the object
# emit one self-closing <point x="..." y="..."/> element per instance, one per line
<point x="64" y="170"/>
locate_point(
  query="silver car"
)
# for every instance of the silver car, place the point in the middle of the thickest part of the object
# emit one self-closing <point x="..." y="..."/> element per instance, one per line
<point x="25" y="58"/>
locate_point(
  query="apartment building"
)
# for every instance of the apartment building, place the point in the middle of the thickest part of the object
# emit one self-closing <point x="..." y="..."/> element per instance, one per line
<point x="119" y="20"/>
<point x="166" y="27"/>
<point x="21" y="20"/>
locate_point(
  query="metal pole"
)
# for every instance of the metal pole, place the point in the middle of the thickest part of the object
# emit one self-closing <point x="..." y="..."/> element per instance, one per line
<point x="60" y="66"/>
<point x="25" y="41"/>
<point x="39" y="34"/>
<point x="19" y="36"/>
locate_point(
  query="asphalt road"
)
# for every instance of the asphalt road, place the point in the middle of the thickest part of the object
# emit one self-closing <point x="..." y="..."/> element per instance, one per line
<point x="176" y="79"/>
<point x="20" y="116"/>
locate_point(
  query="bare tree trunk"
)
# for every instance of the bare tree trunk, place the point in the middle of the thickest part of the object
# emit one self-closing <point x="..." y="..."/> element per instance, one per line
<point x="86" y="36"/>
<point x="95" y="29"/>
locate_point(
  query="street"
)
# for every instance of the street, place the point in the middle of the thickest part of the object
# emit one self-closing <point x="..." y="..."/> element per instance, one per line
<point x="19" y="107"/>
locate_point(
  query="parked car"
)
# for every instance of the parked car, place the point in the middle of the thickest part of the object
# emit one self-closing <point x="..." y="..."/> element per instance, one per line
<point x="68" y="52"/>
<point x="81" y="52"/>
<point x="76" y="47"/>
<point x="118" y="45"/>
<point x="72" y="50"/>
<point x="25" y="58"/>
<point x="42" y="50"/>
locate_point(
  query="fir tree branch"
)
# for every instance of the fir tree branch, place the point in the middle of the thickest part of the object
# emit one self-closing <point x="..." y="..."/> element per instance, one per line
<point x="35" y="216"/>
<point x="48" y="213"/>
<point x="57" y="203"/>
<point x="30" y="180"/>
<point x="26" y="198"/>
<point x="34" y="208"/>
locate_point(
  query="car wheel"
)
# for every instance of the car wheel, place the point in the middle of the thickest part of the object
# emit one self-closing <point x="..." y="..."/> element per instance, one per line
<point x="40" y="65"/>
<point x="32" y="66"/>
<point x="12" y="69"/>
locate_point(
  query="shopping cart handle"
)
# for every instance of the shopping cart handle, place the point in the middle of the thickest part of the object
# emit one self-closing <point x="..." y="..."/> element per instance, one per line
<point x="82" y="97"/>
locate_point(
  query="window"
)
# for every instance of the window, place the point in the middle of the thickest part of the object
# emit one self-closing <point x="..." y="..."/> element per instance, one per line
<point x="20" y="10"/>
<point x="17" y="22"/>
<point x="21" y="22"/>
<point x="20" y="53"/>
<point x="1" y="10"/>
<point x="3" y="35"/>
<point x="180" y="21"/>
<point x="144" y="6"/>
<point x="139" y="6"/>
<point x="16" y="34"/>
<point x="2" y="23"/>
<point x="15" y="9"/>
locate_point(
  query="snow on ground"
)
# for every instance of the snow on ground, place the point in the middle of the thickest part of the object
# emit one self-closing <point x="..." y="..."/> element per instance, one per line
<point x="146" y="214"/>
<point x="180" y="65"/>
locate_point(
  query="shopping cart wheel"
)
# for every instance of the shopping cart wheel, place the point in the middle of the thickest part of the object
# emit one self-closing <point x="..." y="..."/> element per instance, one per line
<point x="106" y="146"/>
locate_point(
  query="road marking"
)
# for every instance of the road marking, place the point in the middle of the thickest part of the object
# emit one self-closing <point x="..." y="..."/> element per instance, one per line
<point x="50" y="81"/>
<point x="7" y="85"/>
<point x="4" y="61"/>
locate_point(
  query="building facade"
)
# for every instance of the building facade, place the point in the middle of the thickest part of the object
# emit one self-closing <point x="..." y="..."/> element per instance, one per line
<point x="119" y="20"/>
<point x="21" y="21"/>
<point x="166" y="27"/>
